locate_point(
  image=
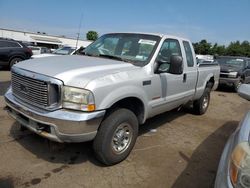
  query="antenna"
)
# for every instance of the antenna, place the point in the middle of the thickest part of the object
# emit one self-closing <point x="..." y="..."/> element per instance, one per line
<point x="78" y="34"/>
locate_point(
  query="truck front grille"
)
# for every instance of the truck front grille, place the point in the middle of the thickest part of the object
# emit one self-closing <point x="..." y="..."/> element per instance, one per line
<point x="224" y="75"/>
<point x="44" y="94"/>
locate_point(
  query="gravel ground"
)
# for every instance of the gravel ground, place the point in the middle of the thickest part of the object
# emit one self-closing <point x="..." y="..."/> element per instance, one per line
<point x="175" y="149"/>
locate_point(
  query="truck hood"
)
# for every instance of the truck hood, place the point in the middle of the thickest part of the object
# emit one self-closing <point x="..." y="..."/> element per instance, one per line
<point x="75" y="70"/>
<point x="228" y="68"/>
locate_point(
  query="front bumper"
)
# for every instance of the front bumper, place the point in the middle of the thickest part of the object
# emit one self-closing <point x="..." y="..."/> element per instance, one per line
<point x="60" y="125"/>
<point x="229" y="81"/>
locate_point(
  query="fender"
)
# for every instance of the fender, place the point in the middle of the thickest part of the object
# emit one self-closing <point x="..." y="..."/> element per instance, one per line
<point x="122" y="93"/>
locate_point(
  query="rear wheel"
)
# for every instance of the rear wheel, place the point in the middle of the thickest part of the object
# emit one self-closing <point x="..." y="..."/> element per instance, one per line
<point x="116" y="137"/>
<point x="201" y="105"/>
<point x="15" y="61"/>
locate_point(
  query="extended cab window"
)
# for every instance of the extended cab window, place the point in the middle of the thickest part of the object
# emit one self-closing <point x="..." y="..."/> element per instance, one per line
<point x="189" y="54"/>
<point x="169" y="47"/>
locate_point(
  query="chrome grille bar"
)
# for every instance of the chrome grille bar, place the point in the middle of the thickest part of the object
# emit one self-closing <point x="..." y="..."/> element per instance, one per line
<point x="30" y="90"/>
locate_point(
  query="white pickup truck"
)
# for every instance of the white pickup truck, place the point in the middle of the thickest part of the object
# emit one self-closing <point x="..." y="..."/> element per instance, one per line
<point x="121" y="80"/>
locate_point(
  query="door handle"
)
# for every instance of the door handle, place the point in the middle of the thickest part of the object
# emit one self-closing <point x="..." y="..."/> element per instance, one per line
<point x="184" y="77"/>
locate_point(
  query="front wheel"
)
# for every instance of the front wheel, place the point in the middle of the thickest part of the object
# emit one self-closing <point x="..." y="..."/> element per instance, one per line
<point x="15" y="61"/>
<point x="238" y="84"/>
<point x="201" y="105"/>
<point x="116" y="137"/>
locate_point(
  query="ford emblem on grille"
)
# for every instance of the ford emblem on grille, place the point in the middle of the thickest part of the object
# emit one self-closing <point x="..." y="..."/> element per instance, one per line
<point x="24" y="89"/>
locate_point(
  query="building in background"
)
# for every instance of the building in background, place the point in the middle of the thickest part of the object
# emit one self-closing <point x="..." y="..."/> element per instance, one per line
<point x="43" y="39"/>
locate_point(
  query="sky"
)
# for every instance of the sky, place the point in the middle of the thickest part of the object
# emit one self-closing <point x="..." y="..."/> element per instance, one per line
<point x="220" y="21"/>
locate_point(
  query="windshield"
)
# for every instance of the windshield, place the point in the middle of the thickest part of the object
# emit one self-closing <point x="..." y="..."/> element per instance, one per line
<point x="64" y="51"/>
<point x="230" y="61"/>
<point x="134" y="48"/>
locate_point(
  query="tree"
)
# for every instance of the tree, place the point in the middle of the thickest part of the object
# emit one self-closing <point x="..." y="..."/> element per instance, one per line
<point x="236" y="48"/>
<point x="245" y="45"/>
<point x="202" y="47"/>
<point x="92" y="35"/>
<point x="218" y="49"/>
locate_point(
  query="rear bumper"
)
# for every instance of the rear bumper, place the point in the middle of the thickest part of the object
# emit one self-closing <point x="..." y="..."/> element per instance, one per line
<point x="60" y="125"/>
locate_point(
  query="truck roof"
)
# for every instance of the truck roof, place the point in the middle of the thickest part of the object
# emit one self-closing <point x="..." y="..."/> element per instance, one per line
<point x="155" y="34"/>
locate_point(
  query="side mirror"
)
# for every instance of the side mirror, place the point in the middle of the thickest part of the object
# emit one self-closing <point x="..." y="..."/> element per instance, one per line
<point x="176" y="66"/>
<point x="244" y="91"/>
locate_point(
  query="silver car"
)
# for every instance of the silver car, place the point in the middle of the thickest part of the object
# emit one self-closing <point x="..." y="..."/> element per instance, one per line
<point x="234" y="167"/>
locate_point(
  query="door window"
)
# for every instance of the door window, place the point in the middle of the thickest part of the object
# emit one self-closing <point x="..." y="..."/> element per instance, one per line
<point x="7" y="44"/>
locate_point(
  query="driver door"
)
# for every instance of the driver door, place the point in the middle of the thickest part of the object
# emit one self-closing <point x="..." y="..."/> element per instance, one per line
<point x="174" y="87"/>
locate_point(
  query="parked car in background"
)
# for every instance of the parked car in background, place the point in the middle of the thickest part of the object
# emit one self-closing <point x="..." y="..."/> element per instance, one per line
<point x="66" y="50"/>
<point x="200" y="61"/>
<point x="121" y="80"/>
<point x="39" y="50"/>
<point x="204" y="59"/>
<point x="234" y="166"/>
<point x="234" y="70"/>
<point x="11" y="52"/>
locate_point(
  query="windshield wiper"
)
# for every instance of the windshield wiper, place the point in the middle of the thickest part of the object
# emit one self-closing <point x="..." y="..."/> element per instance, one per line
<point x="115" y="57"/>
<point x="110" y="57"/>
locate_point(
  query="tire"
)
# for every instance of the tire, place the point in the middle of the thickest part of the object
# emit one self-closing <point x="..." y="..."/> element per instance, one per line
<point x="236" y="87"/>
<point x="15" y="60"/>
<point x="201" y="105"/>
<point x="23" y="128"/>
<point x="111" y="144"/>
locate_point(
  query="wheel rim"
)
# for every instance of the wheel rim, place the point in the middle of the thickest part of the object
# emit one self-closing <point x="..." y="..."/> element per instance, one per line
<point x="122" y="138"/>
<point x="16" y="61"/>
<point x="205" y="102"/>
<point x="238" y="85"/>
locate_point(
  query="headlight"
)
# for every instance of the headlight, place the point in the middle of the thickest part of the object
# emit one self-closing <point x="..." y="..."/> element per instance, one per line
<point x="240" y="166"/>
<point x="78" y="99"/>
<point x="233" y="74"/>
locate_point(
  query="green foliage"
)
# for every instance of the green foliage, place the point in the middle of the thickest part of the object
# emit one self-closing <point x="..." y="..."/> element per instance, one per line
<point x="92" y="35"/>
<point x="233" y="49"/>
<point x="203" y="47"/>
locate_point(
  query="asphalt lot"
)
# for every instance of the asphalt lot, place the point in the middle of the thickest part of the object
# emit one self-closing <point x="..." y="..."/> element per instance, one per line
<point x="184" y="151"/>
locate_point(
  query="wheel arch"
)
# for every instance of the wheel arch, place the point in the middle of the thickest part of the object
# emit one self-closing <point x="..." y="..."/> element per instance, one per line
<point x="16" y="56"/>
<point x="131" y="103"/>
<point x="210" y="82"/>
